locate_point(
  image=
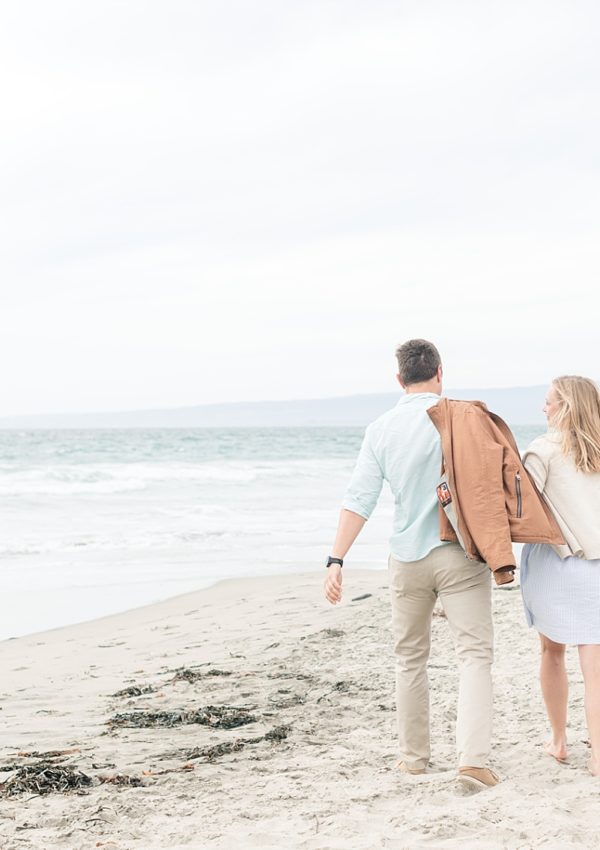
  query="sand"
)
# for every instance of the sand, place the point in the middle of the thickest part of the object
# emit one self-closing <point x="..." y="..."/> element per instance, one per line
<point x="322" y="673"/>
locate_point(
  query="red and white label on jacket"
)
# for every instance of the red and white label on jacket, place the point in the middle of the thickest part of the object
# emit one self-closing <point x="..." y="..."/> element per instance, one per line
<point x="443" y="494"/>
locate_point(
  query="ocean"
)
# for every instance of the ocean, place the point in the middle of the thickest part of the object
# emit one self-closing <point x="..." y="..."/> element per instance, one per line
<point x="99" y="521"/>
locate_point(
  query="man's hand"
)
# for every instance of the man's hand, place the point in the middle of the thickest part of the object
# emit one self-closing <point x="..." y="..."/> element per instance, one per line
<point x="333" y="584"/>
<point x="348" y="527"/>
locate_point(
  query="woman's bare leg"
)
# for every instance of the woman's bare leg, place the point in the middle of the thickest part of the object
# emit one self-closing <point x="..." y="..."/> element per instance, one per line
<point x="589" y="658"/>
<point x="555" y="690"/>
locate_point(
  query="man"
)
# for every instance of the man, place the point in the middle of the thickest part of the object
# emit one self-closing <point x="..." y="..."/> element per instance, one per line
<point x="403" y="447"/>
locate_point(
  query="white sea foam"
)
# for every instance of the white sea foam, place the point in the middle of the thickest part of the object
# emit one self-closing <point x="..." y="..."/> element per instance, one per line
<point x="107" y="509"/>
<point x="106" y="479"/>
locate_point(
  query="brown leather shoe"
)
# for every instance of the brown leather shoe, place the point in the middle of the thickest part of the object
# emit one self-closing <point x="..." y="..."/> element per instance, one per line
<point x="414" y="771"/>
<point x="478" y="777"/>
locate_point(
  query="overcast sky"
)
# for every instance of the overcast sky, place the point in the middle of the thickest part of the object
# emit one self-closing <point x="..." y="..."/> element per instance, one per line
<point x="222" y="201"/>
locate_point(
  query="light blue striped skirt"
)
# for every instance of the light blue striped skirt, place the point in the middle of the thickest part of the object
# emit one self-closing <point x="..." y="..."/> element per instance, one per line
<point x="561" y="597"/>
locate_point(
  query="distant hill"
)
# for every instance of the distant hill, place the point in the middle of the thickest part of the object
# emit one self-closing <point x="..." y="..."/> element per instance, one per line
<point x="518" y="405"/>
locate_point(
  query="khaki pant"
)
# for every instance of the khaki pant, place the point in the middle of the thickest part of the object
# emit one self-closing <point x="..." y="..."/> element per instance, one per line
<point x="464" y="589"/>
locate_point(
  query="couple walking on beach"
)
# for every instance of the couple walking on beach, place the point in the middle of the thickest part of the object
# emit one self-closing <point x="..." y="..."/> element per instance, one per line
<point x="462" y="495"/>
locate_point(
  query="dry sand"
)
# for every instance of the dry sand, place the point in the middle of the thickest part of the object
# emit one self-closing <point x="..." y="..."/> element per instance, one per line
<point x="325" y="674"/>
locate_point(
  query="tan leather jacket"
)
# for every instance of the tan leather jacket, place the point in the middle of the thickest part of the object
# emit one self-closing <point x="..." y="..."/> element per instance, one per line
<point x="492" y="495"/>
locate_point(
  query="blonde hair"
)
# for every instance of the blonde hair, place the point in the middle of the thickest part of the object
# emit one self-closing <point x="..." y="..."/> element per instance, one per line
<point x="578" y="420"/>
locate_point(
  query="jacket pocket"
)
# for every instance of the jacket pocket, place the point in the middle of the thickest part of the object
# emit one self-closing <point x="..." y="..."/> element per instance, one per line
<point x="519" y="496"/>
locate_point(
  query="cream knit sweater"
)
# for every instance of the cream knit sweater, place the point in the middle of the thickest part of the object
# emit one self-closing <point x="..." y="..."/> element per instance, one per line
<point x="573" y="496"/>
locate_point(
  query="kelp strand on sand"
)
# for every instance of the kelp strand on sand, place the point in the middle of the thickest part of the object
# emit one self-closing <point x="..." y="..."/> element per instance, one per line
<point x="135" y="691"/>
<point x="52" y="777"/>
<point x="121" y="779"/>
<point x="215" y="716"/>
<point x="275" y="735"/>
<point x="217" y="750"/>
<point x="45" y="777"/>
<point x="49" y="754"/>
<point x="184" y="674"/>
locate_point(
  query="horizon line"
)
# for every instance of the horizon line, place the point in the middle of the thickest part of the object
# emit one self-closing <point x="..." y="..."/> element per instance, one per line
<point x="113" y="412"/>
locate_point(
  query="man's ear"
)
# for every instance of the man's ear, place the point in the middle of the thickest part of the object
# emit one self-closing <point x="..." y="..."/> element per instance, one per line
<point x="440" y="373"/>
<point x="401" y="382"/>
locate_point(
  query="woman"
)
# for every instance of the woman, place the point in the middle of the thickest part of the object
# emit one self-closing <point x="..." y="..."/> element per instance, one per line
<point x="561" y="584"/>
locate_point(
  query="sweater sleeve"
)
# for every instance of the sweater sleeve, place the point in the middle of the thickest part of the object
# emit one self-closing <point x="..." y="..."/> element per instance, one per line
<point x="536" y="465"/>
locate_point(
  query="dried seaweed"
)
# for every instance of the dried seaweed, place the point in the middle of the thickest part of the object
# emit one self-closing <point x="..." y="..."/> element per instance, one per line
<point x="285" y="674"/>
<point x="215" y="716"/>
<point x="187" y="675"/>
<point x="276" y="735"/>
<point x="328" y="633"/>
<point x="184" y="674"/>
<point x="360" y="598"/>
<point x="217" y="750"/>
<point x="45" y="777"/>
<point x="122" y="779"/>
<point x="135" y="691"/>
<point x="49" y="754"/>
<point x="341" y="687"/>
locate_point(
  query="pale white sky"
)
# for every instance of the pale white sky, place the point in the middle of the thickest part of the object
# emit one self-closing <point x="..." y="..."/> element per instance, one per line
<point x="222" y="201"/>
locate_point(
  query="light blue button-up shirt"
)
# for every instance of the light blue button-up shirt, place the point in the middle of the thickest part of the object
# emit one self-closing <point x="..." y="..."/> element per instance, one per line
<point x="403" y="448"/>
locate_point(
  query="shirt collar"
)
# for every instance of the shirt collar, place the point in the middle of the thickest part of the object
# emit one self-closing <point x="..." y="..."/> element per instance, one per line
<point x="408" y="397"/>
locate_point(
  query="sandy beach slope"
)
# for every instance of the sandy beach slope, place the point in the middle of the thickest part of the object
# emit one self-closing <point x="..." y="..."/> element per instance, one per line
<point x="312" y="765"/>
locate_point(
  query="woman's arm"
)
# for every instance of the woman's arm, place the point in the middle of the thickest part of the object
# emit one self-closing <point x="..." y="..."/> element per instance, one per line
<point x="537" y="467"/>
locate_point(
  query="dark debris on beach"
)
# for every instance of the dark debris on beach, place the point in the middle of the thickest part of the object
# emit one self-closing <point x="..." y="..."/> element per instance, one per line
<point x="215" y="716"/>
<point x="211" y="754"/>
<point x="184" y="674"/>
<point x="51" y="776"/>
<point x="45" y="777"/>
<point x="122" y="779"/>
<point x="332" y="633"/>
<point x="135" y="691"/>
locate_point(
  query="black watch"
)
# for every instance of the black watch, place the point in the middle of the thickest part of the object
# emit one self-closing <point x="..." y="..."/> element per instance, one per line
<point x="331" y="561"/>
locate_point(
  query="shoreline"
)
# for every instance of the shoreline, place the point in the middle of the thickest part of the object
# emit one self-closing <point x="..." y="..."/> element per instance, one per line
<point x="312" y="764"/>
<point x="105" y="591"/>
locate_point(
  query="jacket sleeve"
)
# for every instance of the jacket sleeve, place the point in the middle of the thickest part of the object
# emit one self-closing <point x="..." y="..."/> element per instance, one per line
<point x="536" y="466"/>
<point x="366" y="482"/>
<point x="480" y="459"/>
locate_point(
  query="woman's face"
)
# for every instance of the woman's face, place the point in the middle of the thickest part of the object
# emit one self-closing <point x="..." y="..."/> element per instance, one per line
<point x="551" y="404"/>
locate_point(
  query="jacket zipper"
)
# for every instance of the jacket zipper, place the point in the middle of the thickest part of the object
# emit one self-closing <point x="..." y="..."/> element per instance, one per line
<point x="519" y="499"/>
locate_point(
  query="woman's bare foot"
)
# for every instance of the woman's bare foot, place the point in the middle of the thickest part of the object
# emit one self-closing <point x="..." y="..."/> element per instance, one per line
<point x="558" y="750"/>
<point x="594" y="766"/>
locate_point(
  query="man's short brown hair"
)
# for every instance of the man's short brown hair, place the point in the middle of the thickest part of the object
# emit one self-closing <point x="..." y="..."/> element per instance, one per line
<point x="418" y="361"/>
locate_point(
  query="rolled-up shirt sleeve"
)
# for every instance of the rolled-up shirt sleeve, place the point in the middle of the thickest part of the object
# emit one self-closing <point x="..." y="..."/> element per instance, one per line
<point x="366" y="482"/>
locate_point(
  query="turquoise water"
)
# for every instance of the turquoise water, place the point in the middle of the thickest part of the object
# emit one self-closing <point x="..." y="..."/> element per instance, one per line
<point x="97" y="521"/>
<point x="49" y="452"/>
<point x="44" y="449"/>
